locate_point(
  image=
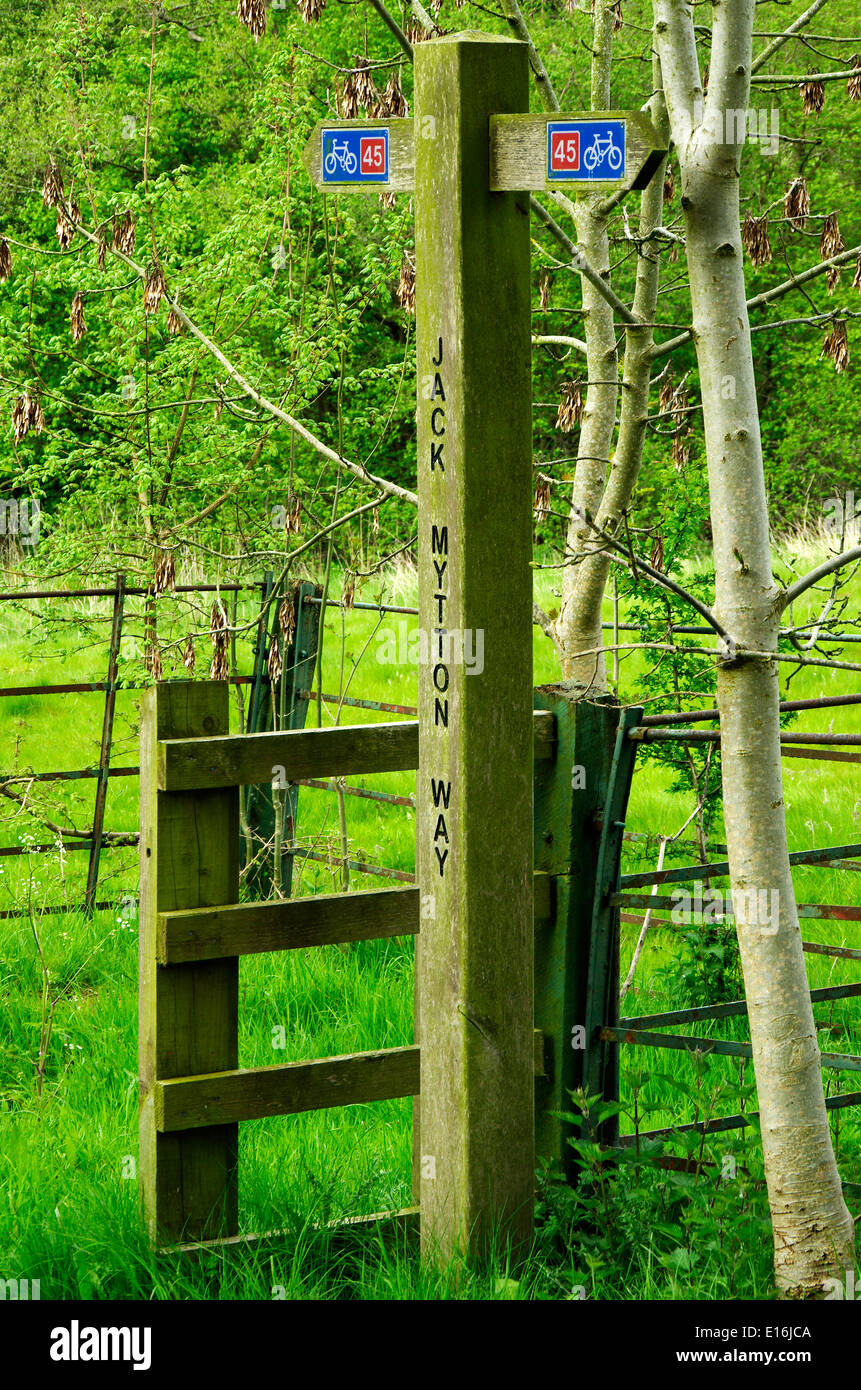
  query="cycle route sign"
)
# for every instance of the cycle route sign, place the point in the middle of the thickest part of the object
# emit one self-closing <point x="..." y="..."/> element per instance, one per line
<point x="603" y="150"/>
<point x="585" y="150"/>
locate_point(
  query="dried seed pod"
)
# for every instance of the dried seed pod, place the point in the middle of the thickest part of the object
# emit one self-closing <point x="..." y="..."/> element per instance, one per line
<point x="541" y="502"/>
<point x="101" y="252"/>
<point x="287" y="619"/>
<point x="387" y="201"/>
<point x="188" y="657"/>
<point x="65" y="230"/>
<point x="75" y="212"/>
<point x="78" y="326"/>
<point x="830" y="242"/>
<point x="617" y="16"/>
<point x="348" y="590"/>
<point x="124" y="234"/>
<point x="366" y="90"/>
<point x="706" y="80"/>
<point x="165" y="572"/>
<point x="393" y="101"/>
<point x="572" y="6"/>
<point x="406" y="291"/>
<point x="856" y="280"/>
<point x="755" y="239"/>
<point x="681" y="450"/>
<point x="152" y="661"/>
<point x="796" y="204"/>
<point x="52" y="186"/>
<point x="175" y="324"/>
<point x="155" y="289"/>
<point x="274" y="664"/>
<point x="5" y="261"/>
<point x="657" y="556"/>
<point x="252" y="13"/>
<point x="544" y="283"/>
<point x="669" y="184"/>
<point x="27" y="416"/>
<point x="812" y="97"/>
<point x="346" y="99"/>
<point x="218" y="670"/>
<point x="570" y="410"/>
<point x="294" y="515"/>
<point x="416" y="33"/>
<point x="836" y="346"/>
<point x="311" y="10"/>
<point x="376" y="520"/>
<point x="674" y="253"/>
<point x="853" y="86"/>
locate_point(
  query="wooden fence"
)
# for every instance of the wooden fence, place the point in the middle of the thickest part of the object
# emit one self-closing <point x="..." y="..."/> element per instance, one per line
<point x="193" y="932"/>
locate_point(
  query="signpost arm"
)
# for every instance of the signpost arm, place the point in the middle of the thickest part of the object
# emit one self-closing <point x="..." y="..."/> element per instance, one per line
<point x="474" y="789"/>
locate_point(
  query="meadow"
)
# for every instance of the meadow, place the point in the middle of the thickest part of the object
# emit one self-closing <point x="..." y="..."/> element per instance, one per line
<point x="68" y="1026"/>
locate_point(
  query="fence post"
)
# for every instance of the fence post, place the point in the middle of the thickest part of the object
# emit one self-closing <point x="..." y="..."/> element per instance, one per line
<point x="570" y="799"/>
<point x="290" y="694"/>
<point x="474" y="787"/>
<point x="188" y="1014"/>
<point x="105" y="751"/>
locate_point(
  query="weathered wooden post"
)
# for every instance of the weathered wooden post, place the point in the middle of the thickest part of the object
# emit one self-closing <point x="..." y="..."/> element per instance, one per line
<point x="188" y="1013"/>
<point x="474" y="789"/>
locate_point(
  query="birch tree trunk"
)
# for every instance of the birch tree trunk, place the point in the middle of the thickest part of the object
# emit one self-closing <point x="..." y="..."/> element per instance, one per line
<point x="578" y="627"/>
<point x="585" y="581"/>
<point x="813" y="1231"/>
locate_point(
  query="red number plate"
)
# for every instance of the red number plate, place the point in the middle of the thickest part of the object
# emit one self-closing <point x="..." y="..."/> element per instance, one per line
<point x="372" y="152"/>
<point x="564" y="151"/>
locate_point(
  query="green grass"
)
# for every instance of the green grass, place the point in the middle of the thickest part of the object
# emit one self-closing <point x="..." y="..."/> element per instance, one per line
<point x="68" y="1207"/>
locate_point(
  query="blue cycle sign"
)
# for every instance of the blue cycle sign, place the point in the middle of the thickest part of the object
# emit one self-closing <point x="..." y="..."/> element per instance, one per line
<point x="585" y="150"/>
<point x="355" y="155"/>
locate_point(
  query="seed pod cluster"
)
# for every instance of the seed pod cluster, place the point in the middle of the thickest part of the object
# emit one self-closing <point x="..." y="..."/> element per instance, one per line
<point x="406" y="291"/>
<point x="165" y="572"/>
<point x="5" y="261"/>
<point x="836" y="346"/>
<point x="188" y="657"/>
<point x="124" y="234"/>
<point x="812" y="97"/>
<point x="853" y="86"/>
<point x="541" y="502"/>
<point x="252" y="13"/>
<point x="570" y="411"/>
<point x="669" y="183"/>
<point x="218" y="671"/>
<point x="287" y="619"/>
<point x="831" y="244"/>
<point x="77" y="324"/>
<point x="544" y="283"/>
<point x="311" y="10"/>
<point x="155" y="288"/>
<point x="796" y="204"/>
<point x="52" y="186"/>
<point x="27" y="416"/>
<point x="274" y="664"/>
<point x="755" y="239"/>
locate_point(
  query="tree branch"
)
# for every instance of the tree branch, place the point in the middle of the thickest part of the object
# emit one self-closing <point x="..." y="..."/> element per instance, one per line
<point x="766" y="297"/>
<point x="787" y="34"/>
<point x="788" y="596"/>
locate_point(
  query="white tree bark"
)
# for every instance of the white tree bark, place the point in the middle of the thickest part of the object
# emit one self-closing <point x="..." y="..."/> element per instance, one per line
<point x="813" y="1232"/>
<point x="578" y="627"/>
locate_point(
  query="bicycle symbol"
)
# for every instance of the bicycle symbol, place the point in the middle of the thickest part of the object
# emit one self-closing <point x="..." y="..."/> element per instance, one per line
<point x="602" y="147"/>
<point x="340" y="156"/>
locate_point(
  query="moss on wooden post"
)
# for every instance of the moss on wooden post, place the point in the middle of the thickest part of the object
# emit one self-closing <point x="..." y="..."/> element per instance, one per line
<point x="188" y="1014"/>
<point x="474" y="791"/>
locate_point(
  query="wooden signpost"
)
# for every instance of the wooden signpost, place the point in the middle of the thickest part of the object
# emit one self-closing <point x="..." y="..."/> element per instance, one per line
<point x="471" y="147"/>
